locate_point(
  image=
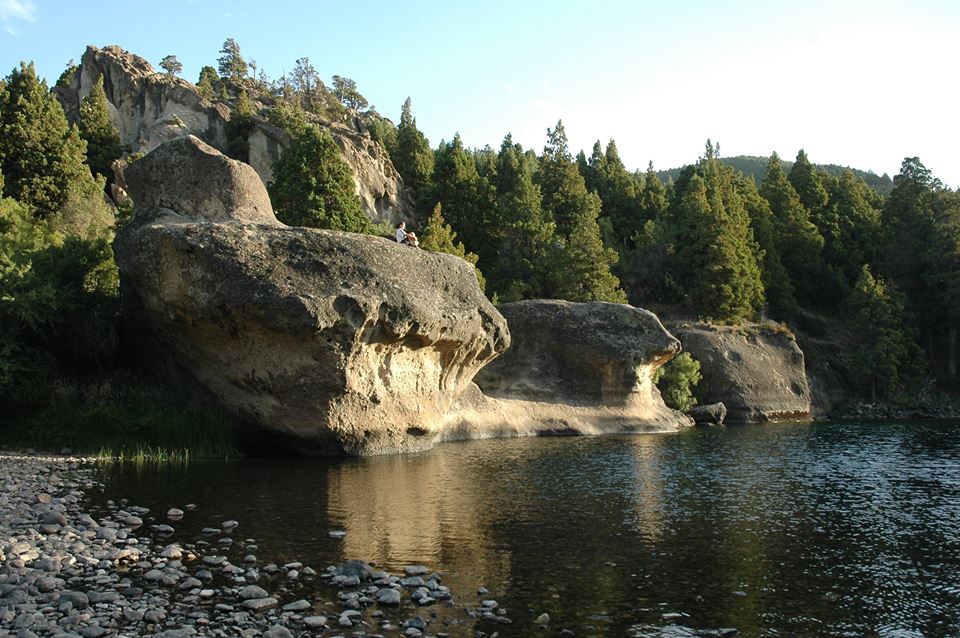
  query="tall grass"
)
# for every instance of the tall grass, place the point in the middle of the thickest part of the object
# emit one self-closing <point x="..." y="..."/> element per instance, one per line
<point x="122" y="417"/>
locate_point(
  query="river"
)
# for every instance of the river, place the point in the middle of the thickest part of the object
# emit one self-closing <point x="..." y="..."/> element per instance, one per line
<point x="823" y="529"/>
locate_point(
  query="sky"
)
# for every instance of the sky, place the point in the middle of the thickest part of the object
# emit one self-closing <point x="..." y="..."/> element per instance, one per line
<point x="860" y="84"/>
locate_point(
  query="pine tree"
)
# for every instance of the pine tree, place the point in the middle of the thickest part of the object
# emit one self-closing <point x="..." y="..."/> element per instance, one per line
<point x="776" y="282"/>
<point x="346" y="91"/>
<point x="231" y="64"/>
<point x="676" y="381"/>
<point x="804" y="179"/>
<point x="582" y="267"/>
<point x="652" y="196"/>
<point x="171" y="65"/>
<point x="305" y="80"/>
<point x="103" y="141"/>
<point x="468" y="199"/>
<point x="207" y="82"/>
<point x="716" y="254"/>
<point x="854" y="214"/>
<point x="526" y="246"/>
<point x="314" y="187"/>
<point x="414" y="159"/>
<point x="439" y="237"/>
<point x="885" y="349"/>
<point x="796" y="238"/>
<point x="619" y="191"/>
<point x="43" y="160"/>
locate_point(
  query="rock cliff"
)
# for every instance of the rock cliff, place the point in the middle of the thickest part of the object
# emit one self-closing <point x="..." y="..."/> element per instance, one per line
<point x="334" y="342"/>
<point x="573" y="368"/>
<point x="757" y="372"/>
<point x="149" y="108"/>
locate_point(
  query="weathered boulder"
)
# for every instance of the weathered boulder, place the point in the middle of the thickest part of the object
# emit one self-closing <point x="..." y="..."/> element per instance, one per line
<point x="333" y="342"/>
<point x="149" y="108"/>
<point x="710" y="414"/>
<point x="756" y="370"/>
<point x="573" y="368"/>
<point x="186" y="174"/>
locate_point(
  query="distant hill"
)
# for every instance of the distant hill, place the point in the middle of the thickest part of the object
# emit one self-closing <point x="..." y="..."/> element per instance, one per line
<point x="755" y="166"/>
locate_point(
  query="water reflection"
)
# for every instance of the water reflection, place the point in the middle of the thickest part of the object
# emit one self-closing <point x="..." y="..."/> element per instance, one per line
<point x="800" y="530"/>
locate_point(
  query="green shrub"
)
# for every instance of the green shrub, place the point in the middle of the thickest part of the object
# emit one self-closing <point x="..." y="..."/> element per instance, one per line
<point x="676" y="381"/>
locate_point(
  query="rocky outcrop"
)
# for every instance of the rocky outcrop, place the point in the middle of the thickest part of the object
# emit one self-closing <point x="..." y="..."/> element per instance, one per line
<point x="332" y="342"/>
<point x="149" y="108"/>
<point x="710" y="414"/>
<point x="756" y="370"/>
<point x="573" y="368"/>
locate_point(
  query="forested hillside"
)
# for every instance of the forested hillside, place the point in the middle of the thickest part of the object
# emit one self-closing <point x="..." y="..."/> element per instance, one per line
<point x="755" y="167"/>
<point x="727" y="240"/>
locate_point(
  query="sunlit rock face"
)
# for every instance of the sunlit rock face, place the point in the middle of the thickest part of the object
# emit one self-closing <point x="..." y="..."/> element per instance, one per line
<point x="149" y="108"/>
<point x="331" y="342"/>
<point x="573" y="368"/>
<point x="757" y="372"/>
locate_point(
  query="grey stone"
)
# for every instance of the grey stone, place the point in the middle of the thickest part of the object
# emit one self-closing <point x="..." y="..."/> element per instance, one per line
<point x="258" y="604"/>
<point x="253" y="591"/>
<point x="425" y="313"/>
<point x="315" y="622"/>
<point x="277" y="631"/>
<point x="756" y="370"/>
<point x="573" y="368"/>
<point x="711" y="414"/>
<point x="297" y="605"/>
<point x="388" y="596"/>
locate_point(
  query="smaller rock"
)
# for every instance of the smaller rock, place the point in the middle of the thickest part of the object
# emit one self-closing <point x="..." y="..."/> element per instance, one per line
<point x="711" y="414"/>
<point x="277" y="631"/>
<point x="542" y="619"/>
<point x="258" y="604"/>
<point x="388" y="596"/>
<point x="415" y="570"/>
<point x="298" y="605"/>
<point x="315" y="622"/>
<point x="336" y="533"/>
<point x="174" y="514"/>
<point x="253" y="592"/>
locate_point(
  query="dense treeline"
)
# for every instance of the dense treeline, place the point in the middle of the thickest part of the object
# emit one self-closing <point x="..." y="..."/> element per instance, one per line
<point x="817" y="249"/>
<point x="808" y="246"/>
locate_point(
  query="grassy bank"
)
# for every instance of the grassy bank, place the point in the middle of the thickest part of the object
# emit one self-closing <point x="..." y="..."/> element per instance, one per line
<point x="121" y="417"/>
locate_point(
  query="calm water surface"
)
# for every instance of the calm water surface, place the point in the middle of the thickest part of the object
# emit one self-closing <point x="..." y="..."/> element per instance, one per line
<point x="789" y="530"/>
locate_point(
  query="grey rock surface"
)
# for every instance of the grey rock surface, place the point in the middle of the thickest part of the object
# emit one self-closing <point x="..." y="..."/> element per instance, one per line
<point x="332" y="341"/>
<point x="573" y="368"/>
<point x="709" y="414"/>
<point x="755" y="370"/>
<point x="149" y="108"/>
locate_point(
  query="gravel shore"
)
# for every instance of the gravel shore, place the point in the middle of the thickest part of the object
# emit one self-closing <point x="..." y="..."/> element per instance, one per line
<point x="66" y="574"/>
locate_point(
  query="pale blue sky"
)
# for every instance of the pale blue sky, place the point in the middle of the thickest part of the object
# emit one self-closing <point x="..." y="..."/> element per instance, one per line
<point x="855" y="83"/>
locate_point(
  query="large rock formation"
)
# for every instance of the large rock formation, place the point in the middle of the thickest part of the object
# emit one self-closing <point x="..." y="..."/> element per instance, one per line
<point x="755" y="370"/>
<point x="573" y="368"/>
<point x="149" y="108"/>
<point x="333" y="341"/>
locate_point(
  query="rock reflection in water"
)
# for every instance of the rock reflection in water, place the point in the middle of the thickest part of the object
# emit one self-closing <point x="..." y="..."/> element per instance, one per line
<point x="426" y="508"/>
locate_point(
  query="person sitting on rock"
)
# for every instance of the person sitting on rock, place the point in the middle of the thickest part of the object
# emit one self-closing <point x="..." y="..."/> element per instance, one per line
<point x="412" y="240"/>
<point x="401" y="233"/>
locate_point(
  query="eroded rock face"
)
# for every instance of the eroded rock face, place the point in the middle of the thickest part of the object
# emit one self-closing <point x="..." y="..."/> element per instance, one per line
<point x="757" y="372"/>
<point x="583" y="368"/>
<point x="334" y="342"/>
<point x="149" y="108"/>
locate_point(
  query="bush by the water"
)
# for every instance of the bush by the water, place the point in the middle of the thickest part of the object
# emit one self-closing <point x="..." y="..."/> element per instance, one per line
<point x="676" y="381"/>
